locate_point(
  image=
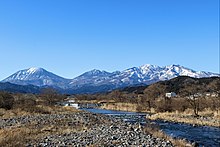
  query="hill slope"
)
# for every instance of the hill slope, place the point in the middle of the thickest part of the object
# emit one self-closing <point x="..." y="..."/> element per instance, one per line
<point x="14" y="88"/>
<point x="179" y="84"/>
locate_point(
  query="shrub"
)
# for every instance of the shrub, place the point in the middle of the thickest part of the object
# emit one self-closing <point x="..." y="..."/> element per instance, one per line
<point x="51" y="96"/>
<point x="6" y="100"/>
<point x="28" y="103"/>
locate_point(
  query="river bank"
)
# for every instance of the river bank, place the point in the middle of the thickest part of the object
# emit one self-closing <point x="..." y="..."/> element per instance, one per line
<point x="206" y="118"/>
<point x="77" y="128"/>
<point x="120" y="107"/>
<point x="177" y="133"/>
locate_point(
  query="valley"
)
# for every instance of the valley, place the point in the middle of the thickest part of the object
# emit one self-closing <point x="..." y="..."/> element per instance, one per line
<point x="50" y="118"/>
<point x="109" y="73"/>
<point x="46" y="124"/>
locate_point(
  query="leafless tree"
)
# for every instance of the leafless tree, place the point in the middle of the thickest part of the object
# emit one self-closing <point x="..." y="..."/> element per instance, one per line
<point x="191" y="94"/>
<point x="51" y="96"/>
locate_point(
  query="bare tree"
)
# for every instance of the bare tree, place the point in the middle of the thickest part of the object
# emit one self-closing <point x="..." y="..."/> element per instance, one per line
<point x="149" y="97"/>
<point x="51" y="96"/>
<point x="117" y="96"/>
<point x="152" y="93"/>
<point x="191" y="92"/>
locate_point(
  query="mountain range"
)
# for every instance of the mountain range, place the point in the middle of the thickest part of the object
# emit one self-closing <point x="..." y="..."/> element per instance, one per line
<point x="179" y="85"/>
<point x="100" y="81"/>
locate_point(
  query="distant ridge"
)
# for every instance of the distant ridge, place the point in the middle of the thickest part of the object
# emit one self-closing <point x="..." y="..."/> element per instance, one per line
<point x="100" y="81"/>
<point x="179" y="84"/>
<point x="14" y="88"/>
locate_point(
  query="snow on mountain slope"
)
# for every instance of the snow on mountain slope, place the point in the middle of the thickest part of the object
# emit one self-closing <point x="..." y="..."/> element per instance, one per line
<point x="91" y="77"/>
<point x="38" y="77"/>
<point x="145" y="74"/>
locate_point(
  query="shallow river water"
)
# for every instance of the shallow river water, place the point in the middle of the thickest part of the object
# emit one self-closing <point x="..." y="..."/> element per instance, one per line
<point x="203" y="135"/>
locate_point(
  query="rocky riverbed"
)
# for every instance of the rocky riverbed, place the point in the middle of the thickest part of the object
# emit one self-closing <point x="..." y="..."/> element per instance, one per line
<point x="82" y="129"/>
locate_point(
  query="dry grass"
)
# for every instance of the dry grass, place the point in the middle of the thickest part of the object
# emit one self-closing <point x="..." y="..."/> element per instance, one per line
<point x="88" y="101"/>
<point x="20" y="135"/>
<point x="120" y="106"/>
<point x="213" y="117"/>
<point x="35" y="110"/>
<point x="131" y="107"/>
<point x="57" y="109"/>
<point x="13" y="113"/>
<point x="14" y="137"/>
<point x="154" y="131"/>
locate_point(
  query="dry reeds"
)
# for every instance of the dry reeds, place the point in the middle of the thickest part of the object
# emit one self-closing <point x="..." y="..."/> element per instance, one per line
<point x="187" y="116"/>
<point x="19" y="136"/>
<point x="154" y="131"/>
<point x="120" y="106"/>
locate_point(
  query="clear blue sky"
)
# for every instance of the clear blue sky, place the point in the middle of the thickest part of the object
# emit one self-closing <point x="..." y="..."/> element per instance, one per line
<point x="69" y="37"/>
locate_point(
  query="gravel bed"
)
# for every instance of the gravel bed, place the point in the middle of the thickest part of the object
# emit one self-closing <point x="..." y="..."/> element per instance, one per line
<point x="101" y="130"/>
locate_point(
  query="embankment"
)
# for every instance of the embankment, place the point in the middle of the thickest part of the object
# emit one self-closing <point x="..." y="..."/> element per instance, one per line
<point x="120" y="106"/>
<point x="207" y="117"/>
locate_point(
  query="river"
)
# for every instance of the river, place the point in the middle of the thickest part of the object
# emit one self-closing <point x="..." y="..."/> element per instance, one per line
<point x="203" y="135"/>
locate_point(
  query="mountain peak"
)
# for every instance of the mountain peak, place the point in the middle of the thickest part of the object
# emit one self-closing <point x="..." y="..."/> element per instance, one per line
<point x="145" y="74"/>
<point x="95" y="72"/>
<point x="173" y="66"/>
<point x="148" y="66"/>
<point x="36" y="76"/>
<point x="34" y="69"/>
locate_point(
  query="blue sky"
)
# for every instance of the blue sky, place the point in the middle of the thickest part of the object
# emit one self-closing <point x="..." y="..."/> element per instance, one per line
<point x="69" y="37"/>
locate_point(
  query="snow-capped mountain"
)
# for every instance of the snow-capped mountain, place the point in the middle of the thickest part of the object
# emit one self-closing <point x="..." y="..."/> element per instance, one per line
<point x="37" y="76"/>
<point x="101" y="80"/>
<point x="146" y="74"/>
<point x="91" y="77"/>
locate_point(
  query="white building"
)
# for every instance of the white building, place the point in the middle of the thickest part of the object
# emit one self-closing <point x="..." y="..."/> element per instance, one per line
<point x="171" y="94"/>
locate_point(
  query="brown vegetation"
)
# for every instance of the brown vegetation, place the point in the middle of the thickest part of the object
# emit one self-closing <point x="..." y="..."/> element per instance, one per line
<point x="151" y="99"/>
<point x="6" y="100"/>
<point x="32" y="105"/>
<point x="156" y="132"/>
<point x="21" y="104"/>
<point x="191" y="94"/>
<point x="120" y="106"/>
<point x="20" y="135"/>
<point x="207" y="117"/>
